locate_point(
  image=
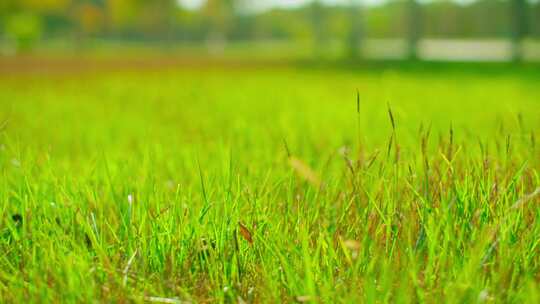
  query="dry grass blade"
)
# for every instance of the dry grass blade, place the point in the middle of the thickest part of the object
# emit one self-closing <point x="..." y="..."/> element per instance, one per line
<point x="392" y="121"/>
<point x="304" y="171"/>
<point x="3" y="125"/>
<point x="390" y="143"/>
<point x="164" y="300"/>
<point x="526" y="198"/>
<point x="372" y="159"/>
<point x="304" y="299"/>
<point x="358" y="124"/>
<point x="246" y="234"/>
<point x="286" y="148"/>
<point x="451" y="143"/>
<point x="128" y="265"/>
<point x="357" y="101"/>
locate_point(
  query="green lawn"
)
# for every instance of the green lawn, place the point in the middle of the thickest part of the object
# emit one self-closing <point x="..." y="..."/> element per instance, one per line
<point x="131" y="186"/>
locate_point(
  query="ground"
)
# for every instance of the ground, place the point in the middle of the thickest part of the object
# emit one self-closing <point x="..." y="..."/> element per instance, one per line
<point x="269" y="182"/>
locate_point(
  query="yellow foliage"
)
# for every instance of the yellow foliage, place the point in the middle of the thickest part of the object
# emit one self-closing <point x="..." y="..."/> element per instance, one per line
<point x="46" y="5"/>
<point x="91" y="18"/>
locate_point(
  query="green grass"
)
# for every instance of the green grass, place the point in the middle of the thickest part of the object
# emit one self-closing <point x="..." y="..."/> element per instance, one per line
<point x="130" y="186"/>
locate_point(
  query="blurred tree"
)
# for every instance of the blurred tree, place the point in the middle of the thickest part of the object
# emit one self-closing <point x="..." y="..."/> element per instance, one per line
<point x="445" y="19"/>
<point x="282" y="24"/>
<point x="317" y="18"/>
<point x="122" y="14"/>
<point x="219" y="16"/>
<point x="534" y="29"/>
<point x="23" y="20"/>
<point x="89" y="16"/>
<point x="157" y="18"/>
<point x="189" y="25"/>
<point x="7" y="7"/>
<point x="386" y="21"/>
<point x="354" y="36"/>
<point x="140" y="18"/>
<point x="519" y="27"/>
<point x="414" y="28"/>
<point x="45" y="6"/>
<point x="24" y="29"/>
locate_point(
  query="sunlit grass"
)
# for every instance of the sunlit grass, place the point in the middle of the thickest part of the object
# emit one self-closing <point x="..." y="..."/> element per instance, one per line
<point x="267" y="185"/>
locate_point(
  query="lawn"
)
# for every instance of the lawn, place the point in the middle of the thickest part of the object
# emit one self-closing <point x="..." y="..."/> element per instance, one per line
<point x="270" y="184"/>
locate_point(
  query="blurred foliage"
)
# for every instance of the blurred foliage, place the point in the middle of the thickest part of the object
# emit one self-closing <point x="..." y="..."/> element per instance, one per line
<point x="24" y="29"/>
<point x="24" y="22"/>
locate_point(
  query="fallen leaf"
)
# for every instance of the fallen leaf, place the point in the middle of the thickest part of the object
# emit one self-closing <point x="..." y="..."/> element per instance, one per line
<point x="246" y="234"/>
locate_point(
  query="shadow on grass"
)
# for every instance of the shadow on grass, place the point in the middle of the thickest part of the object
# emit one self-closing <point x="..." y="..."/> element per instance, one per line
<point x="523" y="69"/>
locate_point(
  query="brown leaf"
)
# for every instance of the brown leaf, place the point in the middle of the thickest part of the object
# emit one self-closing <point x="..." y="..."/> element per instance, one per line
<point x="246" y="234"/>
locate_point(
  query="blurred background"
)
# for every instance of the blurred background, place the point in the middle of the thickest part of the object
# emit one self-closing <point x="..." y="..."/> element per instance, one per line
<point x="458" y="30"/>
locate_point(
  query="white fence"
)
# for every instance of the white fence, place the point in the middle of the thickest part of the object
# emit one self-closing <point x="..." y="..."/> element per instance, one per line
<point x="451" y="49"/>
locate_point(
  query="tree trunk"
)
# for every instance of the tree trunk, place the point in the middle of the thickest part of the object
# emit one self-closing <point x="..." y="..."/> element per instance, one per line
<point x="414" y="29"/>
<point x="317" y="23"/>
<point x="354" y="37"/>
<point x="519" y="28"/>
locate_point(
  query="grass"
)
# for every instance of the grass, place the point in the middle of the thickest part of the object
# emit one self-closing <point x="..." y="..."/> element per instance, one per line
<point x="267" y="185"/>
